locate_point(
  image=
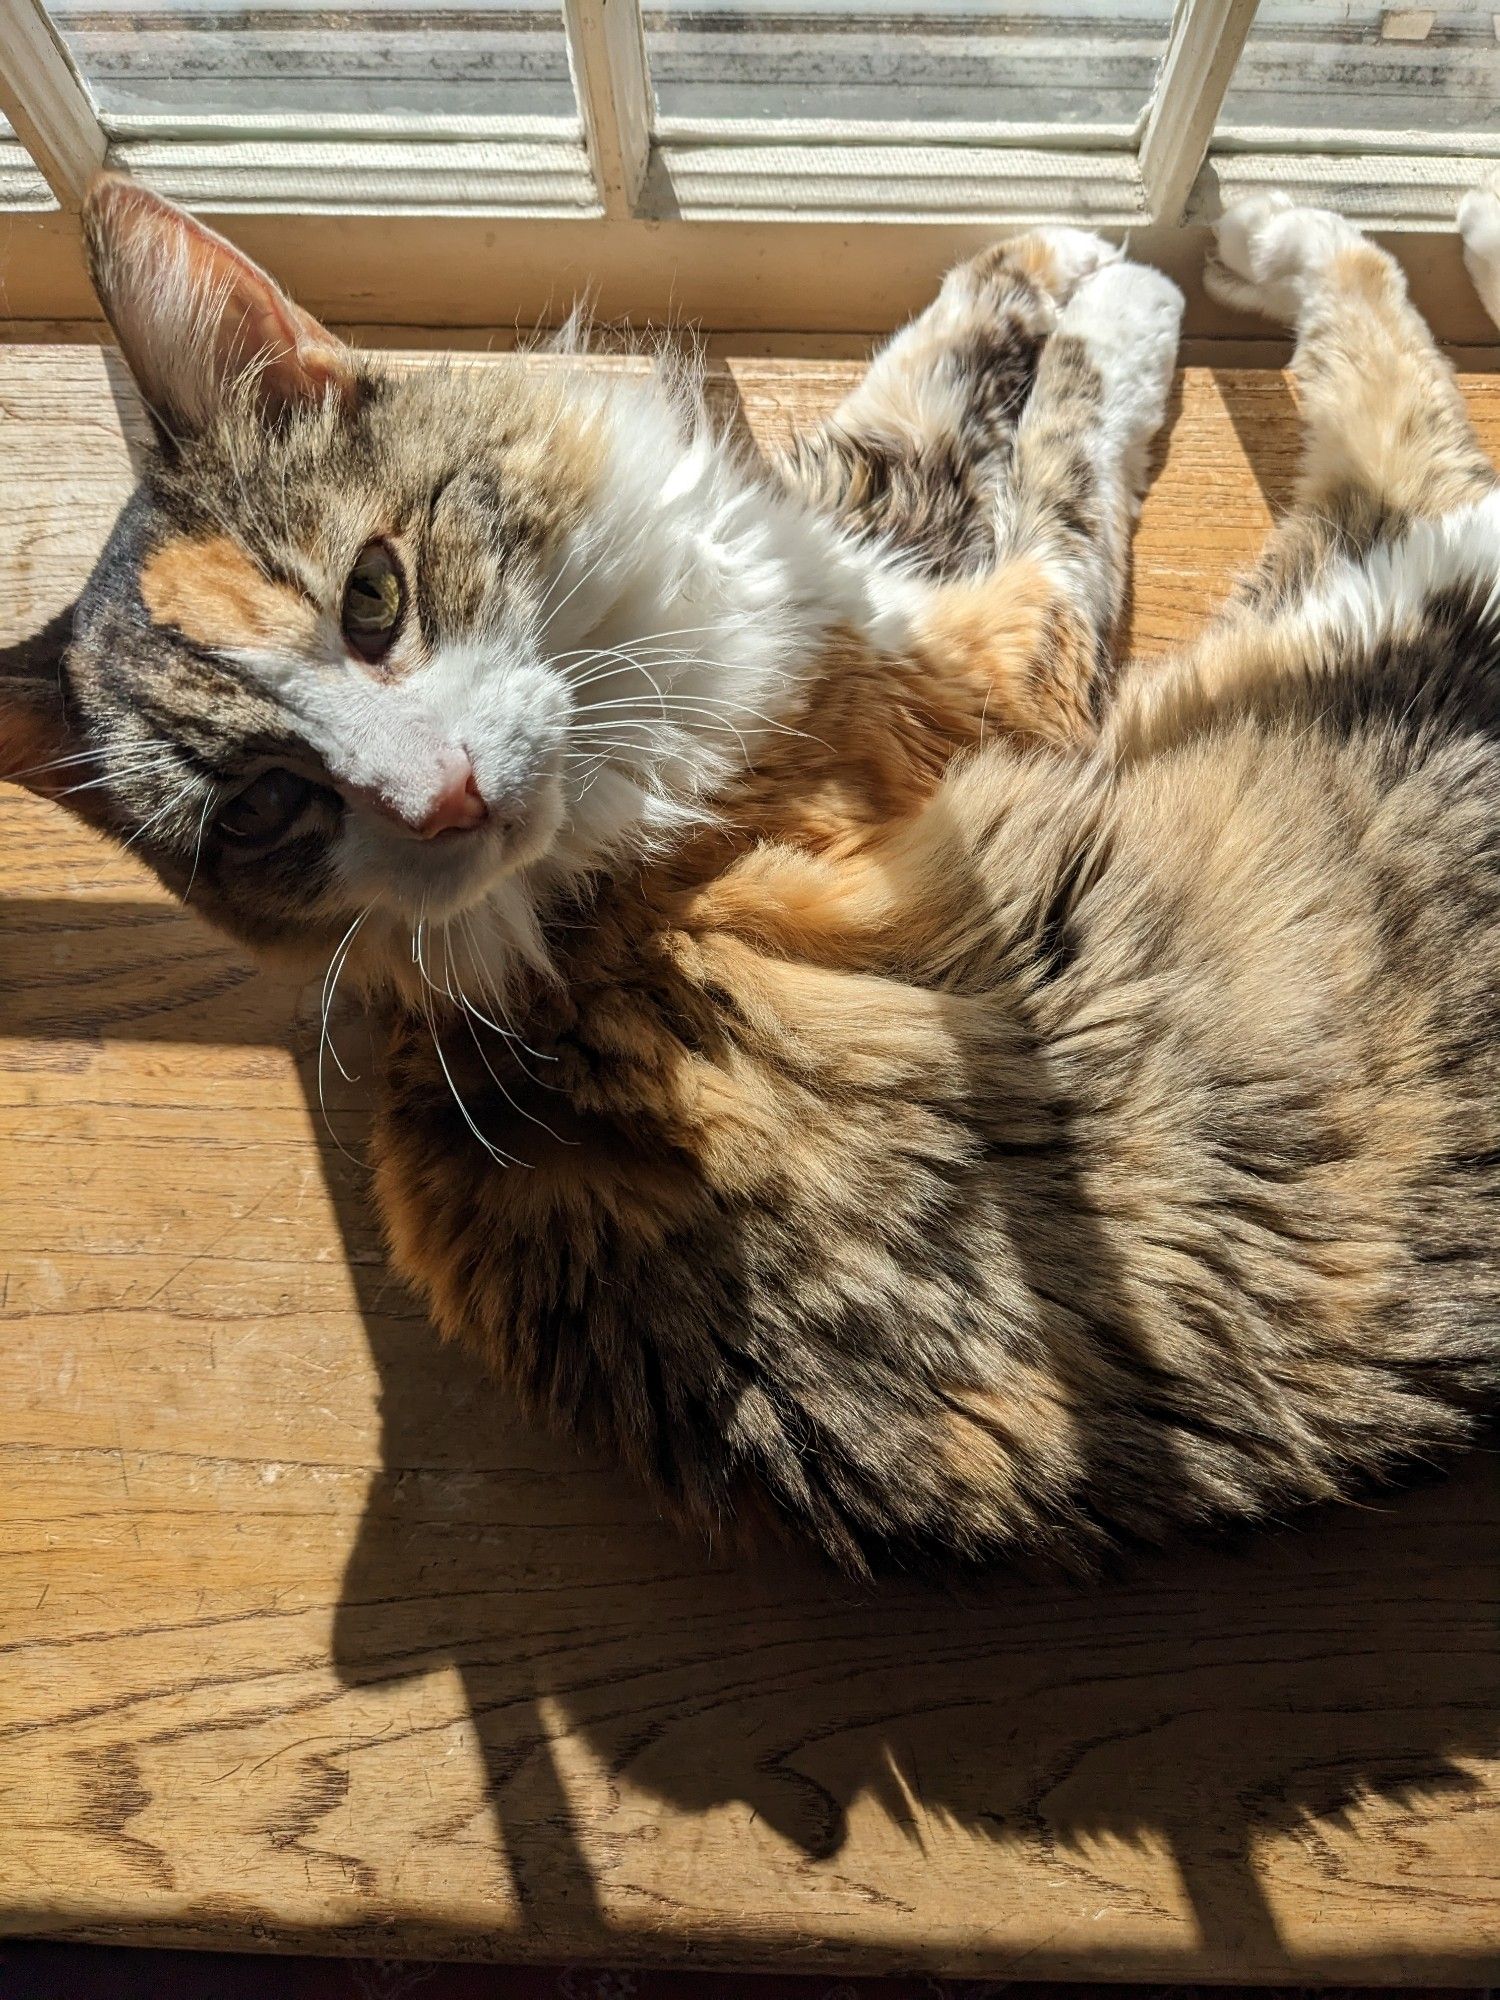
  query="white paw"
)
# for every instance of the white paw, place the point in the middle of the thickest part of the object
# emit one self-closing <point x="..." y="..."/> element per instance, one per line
<point x="1129" y="317"/>
<point x="1479" y="223"/>
<point x="1479" y="226"/>
<point x="1270" y="251"/>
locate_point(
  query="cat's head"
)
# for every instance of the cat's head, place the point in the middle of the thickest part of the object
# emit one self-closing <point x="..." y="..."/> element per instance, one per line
<point x="406" y="645"/>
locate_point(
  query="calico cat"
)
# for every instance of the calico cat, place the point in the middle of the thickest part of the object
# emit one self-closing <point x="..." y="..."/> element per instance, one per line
<point x="844" y="1053"/>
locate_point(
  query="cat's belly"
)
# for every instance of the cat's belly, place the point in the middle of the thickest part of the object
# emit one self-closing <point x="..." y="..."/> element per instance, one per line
<point x="1208" y="1234"/>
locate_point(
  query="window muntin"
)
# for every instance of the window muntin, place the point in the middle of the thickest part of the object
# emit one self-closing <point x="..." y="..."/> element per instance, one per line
<point x="1120" y="125"/>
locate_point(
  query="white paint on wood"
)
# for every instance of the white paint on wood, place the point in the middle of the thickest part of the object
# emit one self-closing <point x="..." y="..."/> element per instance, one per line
<point x="43" y="96"/>
<point x="607" y="53"/>
<point x="1406" y="25"/>
<point x="1207" y="36"/>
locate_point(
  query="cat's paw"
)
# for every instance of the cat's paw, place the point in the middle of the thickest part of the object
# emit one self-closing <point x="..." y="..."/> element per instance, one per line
<point x="1479" y="226"/>
<point x="1056" y="261"/>
<point x="1128" y="317"/>
<point x="1069" y="257"/>
<point x="1269" y="251"/>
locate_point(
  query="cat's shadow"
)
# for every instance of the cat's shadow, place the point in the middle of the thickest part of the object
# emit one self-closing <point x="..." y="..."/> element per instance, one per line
<point x="1196" y="1704"/>
<point x="1199" y="1704"/>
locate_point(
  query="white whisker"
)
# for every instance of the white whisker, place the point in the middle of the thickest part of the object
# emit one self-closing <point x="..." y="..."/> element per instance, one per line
<point x="330" y="981"/>
<point x="325" y="1034"/>
<point x="160" y="814"/>
<point x="504" y="1159"/>
<point x="119" y="773"/>
<point x="549" y="614"/>
<point x="55" y="764"/>
<point x="460" y="999"/>
<point x="208" y="799"/>
<point x="488" y="986"/>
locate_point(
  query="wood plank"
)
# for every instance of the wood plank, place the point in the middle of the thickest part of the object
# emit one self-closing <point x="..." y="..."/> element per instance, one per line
<point x="306" y="1642"/>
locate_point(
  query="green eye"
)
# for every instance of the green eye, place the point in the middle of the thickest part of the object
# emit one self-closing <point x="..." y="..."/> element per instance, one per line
<point x="374" y="599"/>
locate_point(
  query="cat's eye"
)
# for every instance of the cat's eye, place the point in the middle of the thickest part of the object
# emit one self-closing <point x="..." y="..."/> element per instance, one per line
<point x="267" y="808"/>
<point x="374" y="599"/>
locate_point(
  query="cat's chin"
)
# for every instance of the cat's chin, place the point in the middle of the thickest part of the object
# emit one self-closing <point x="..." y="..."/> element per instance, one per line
<point x="441" y="880"/>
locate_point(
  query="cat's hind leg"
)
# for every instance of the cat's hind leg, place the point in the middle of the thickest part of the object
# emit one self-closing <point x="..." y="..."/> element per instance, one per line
<point x="913" y="454"/>
<point x="997" y="447"/>
<point x="1387" y="438"/>
<point x="1084" y="442"/>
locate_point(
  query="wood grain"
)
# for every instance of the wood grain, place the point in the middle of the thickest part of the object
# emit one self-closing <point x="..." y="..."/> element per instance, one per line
<point x="305" y="1642"/>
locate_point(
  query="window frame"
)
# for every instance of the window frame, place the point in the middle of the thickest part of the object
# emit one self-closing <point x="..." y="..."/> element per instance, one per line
<point x="660" y="216"/>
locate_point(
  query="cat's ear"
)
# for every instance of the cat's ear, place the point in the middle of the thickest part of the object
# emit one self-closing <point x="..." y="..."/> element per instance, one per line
<point x="37" y="745"/>
<point x="195" y="318"/>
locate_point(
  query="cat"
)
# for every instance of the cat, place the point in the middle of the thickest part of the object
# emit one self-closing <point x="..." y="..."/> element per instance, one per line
<point x="891" y="1080"/>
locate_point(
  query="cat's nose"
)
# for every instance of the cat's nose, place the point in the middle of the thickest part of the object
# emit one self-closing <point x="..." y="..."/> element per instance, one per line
<point x="458" y="805"/>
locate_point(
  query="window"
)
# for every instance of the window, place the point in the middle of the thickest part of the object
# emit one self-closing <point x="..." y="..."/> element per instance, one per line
<point x="1087" y="66"/>
<point x="756" y="163"/>
<point x="1357" y="67"/>
<point x="460" y="59"/>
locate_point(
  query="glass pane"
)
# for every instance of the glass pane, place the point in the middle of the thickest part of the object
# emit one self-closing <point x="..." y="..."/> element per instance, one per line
<point x="454" y="58"/>
<point x="21" y="186"/>
<point x="1356" y="67"/>
<point x="1012" y="62"/>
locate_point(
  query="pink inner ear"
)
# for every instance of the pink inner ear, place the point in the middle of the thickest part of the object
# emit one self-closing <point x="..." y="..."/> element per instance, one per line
<point x="301" y="361"/>
<point x="33" y="736"/>
<point x="34" y="730"/>
<point x="157" y="269"/>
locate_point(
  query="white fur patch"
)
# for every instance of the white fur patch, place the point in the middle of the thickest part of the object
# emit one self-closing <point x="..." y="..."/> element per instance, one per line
<point x="1479" y="226"/>
<point x="1383" y="593"/>
<point x="1129" y="316"/>
<point x="685" y="611"/>
<point x="1271" y="253"/>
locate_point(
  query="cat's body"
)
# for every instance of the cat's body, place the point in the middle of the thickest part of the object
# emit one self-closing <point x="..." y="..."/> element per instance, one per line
<point x="963" y="1110"/>
<point x="1112" y="1146"/>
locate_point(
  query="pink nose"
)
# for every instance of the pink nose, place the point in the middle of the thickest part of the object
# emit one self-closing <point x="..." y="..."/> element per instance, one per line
<point x="459" y="804"/>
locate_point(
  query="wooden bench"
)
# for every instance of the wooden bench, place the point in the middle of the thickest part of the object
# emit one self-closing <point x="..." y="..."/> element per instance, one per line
<point x="307" y="1643"/>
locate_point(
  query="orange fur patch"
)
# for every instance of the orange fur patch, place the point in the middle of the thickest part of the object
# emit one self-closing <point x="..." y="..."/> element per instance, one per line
<point x="828" y="839"/>
<point x="1003" y="657"/>
<point x="989" y="1430"/>
<point x="212" y="592"/>
<point x="1365" y="272"/>
<point x="1012" y="640"/>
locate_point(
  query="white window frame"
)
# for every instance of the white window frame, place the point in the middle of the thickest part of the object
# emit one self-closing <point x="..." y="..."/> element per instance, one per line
<point x="783" y="223"/>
